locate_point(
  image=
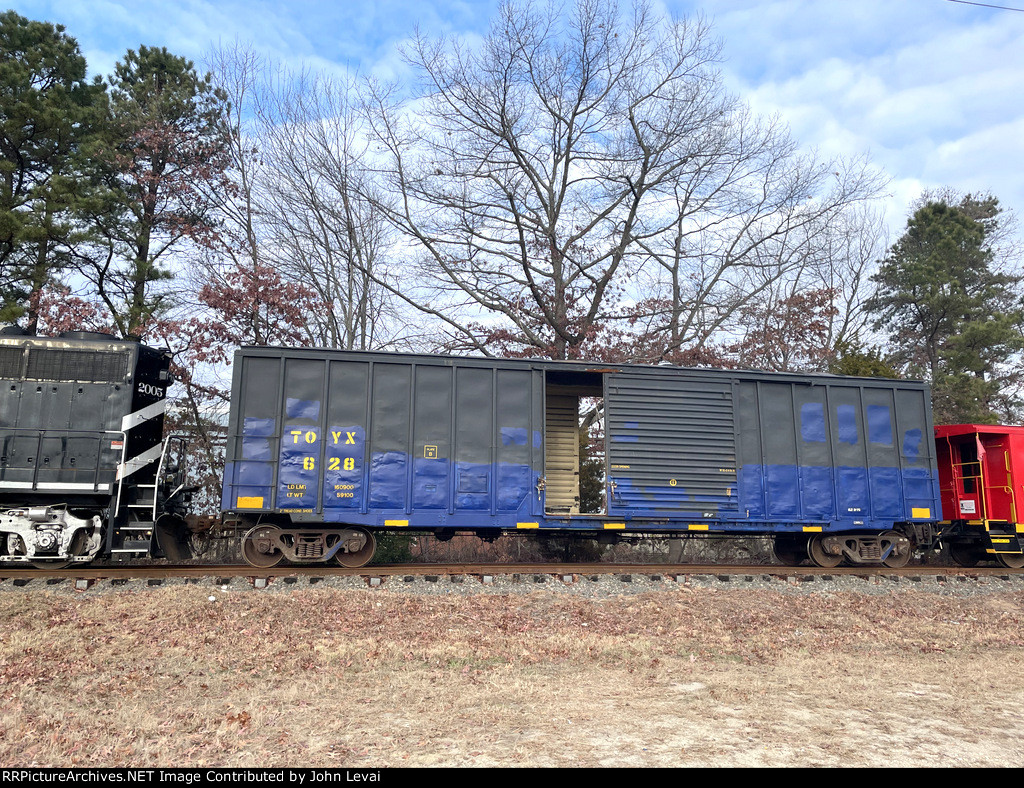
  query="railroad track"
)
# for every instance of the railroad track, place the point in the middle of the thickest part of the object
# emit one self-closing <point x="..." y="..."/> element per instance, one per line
<point x="85" y="576"/>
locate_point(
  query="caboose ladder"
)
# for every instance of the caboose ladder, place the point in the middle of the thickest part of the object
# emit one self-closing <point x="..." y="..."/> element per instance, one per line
<point x="999" y="499"/>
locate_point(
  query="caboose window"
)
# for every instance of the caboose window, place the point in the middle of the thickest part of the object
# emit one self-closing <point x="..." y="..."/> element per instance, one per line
<point x="970" y="467"/>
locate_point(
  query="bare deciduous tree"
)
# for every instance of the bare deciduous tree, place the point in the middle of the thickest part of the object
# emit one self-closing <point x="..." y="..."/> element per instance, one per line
<point x="582" y="168"/>
<point x="299" y="205"/>
<point x="801" y="314"/>
<point x="325" y="230"/>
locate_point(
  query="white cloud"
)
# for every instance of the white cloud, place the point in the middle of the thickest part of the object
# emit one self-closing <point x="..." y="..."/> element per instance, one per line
<point x="930" y="88"/>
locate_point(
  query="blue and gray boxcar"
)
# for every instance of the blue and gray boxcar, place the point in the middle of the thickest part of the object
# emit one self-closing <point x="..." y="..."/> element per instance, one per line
<point x="325" y="448"/>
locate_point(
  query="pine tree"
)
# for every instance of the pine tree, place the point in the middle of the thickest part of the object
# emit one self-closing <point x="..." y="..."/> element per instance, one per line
<point x="164" y="160"/>
<point x="952" y="316"/>
<point x="48" y="114"/>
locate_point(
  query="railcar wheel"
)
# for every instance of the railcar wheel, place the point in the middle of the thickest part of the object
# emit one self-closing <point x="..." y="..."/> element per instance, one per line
<point x="79" y="546"/>
<point x="790" y="550"/>
<point x="964" y="554"/>
<point x="816" y="552"/>
<point x="360" y="557"/>
<point x="900" y="555"/>
<point x="1010" y="560"/>
<point x="54" y="563"/>
<point x="259" y="546"/>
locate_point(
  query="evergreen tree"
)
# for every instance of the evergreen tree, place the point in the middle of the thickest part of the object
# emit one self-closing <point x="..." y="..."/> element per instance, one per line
<point x="860" y="362"/>
<point x="952" y="316"/>
<point x="48" y="114"/>
<point x="164" y="160"/>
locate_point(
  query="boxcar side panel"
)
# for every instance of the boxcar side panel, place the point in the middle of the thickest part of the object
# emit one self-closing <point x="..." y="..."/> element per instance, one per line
<point x="432" y="439"/>
<point x="884" y="471"/>
<point x="389" y="429"/>
<point x="298" y="461"/>
<point x="917" y="455"/>
<point x="344" y="468"/>
<point x="474" y="430"/>
<point x="814" y="454"/>
<point x="834" y="452"/>
<point x="254" y="435"/>
<point x="778" y="440"/>
<point x="853" y="489"/>
<point x="340" y="439"/>
<point x="515" y="440"/>
<point x="750" y="454"/>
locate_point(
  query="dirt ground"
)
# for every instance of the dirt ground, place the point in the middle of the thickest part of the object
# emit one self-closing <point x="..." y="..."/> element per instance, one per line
<point x="369" y="678"/>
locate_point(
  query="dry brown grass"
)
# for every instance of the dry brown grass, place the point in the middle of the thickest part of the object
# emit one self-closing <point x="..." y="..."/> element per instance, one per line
<point x="357" y="678"/>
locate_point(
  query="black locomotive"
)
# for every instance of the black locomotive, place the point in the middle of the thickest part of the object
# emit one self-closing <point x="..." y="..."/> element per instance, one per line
<point x="85" y="471"/>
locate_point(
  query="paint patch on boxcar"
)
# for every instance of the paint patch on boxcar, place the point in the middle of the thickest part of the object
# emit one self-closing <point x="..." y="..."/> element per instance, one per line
<point x="302" y="409"/>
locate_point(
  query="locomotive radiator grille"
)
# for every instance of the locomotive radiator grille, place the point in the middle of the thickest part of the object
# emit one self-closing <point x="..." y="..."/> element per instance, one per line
<point x="82" y="365"/>
<point x="10" y="362"/>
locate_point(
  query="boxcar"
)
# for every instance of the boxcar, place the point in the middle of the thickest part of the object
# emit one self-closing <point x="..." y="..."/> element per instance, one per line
<point x="326" y="448"/>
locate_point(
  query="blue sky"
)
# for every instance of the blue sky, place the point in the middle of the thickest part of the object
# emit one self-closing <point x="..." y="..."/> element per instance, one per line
<point x="929" y="89"/>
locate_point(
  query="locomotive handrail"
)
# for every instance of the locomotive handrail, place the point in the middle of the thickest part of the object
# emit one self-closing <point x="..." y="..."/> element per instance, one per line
<point x="159" y="472"/>
<point x="120" y="476"/>
<point x="183" y="441"/>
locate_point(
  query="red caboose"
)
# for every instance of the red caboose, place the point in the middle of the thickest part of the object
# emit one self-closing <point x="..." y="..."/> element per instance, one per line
<point x="981" y="479"/>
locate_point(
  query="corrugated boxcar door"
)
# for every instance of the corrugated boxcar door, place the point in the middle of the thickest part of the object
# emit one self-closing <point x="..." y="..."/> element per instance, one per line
<point x="671" y="444"/>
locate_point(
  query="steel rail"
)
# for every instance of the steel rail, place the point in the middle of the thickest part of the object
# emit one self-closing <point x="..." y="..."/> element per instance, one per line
<point x="144" y="571"/>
